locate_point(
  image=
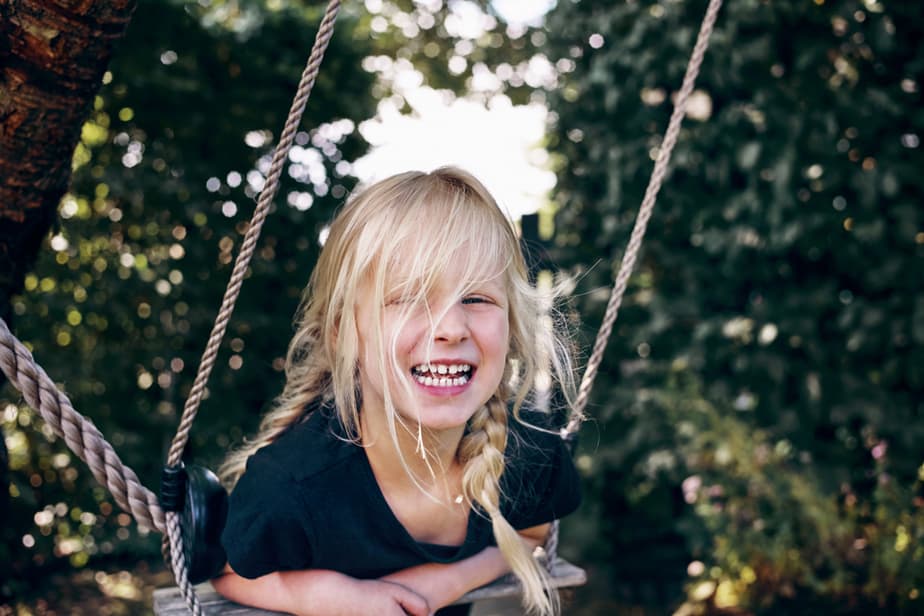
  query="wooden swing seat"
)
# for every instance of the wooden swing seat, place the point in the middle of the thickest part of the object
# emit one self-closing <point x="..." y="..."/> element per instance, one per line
<point x="562" y="574"/>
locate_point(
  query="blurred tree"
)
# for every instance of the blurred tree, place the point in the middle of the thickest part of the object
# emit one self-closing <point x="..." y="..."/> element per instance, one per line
<point x="781" y="272"/>
<point x="4" y="480"/>
<point x="52" y="59"/>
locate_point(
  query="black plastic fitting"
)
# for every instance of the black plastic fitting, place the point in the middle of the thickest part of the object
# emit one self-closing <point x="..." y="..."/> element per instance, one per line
<point x="173" y="487"/>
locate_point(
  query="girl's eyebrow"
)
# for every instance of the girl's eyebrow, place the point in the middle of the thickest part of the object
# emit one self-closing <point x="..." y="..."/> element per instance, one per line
<point x="399" y="282"/>
<point x="490" y="290"/>
<point x="493" y="282"/>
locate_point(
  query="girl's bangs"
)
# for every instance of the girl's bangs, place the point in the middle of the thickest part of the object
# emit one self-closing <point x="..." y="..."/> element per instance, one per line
<point x="447" y="236"/>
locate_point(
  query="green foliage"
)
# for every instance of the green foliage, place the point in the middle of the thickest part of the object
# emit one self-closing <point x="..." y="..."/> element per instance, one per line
<point x="779" y="537"/>
<point x="452" y="43"/>
<point x="781" y="271"/>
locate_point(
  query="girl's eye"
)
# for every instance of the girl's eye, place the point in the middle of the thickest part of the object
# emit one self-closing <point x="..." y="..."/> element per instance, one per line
<point x="475" y="299"/>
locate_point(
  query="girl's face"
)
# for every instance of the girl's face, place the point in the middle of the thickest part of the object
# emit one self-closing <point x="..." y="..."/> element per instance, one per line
<point x="445" y="371"/>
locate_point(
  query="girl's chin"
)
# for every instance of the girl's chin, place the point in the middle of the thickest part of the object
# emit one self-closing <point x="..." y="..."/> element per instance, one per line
<point x="438" y="417"/>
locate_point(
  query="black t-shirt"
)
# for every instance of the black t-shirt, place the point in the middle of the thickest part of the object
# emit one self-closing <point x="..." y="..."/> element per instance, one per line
<point x="309" y="500"/>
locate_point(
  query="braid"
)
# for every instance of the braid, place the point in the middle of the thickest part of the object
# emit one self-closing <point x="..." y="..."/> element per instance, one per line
<point x="482" y="453"/>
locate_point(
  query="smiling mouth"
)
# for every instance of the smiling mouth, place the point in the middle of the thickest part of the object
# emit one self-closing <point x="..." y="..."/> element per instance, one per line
<point x="442" y="375"/>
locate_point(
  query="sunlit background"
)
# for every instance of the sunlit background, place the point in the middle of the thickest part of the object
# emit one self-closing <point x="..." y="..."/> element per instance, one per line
<point x="483" y="132"/>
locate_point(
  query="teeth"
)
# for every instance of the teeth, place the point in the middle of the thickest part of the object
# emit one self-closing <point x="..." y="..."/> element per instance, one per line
<point x="440" y="369"/>
<point x="432" y="378"/>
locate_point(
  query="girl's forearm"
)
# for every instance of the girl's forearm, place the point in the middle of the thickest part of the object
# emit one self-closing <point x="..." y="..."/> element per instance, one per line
<point x="286" y="591"/>
<point x="482" y="568"/>
<point x="317" y="592"/>
<point x="316" y="589"/>
<point x="443" y="584"/>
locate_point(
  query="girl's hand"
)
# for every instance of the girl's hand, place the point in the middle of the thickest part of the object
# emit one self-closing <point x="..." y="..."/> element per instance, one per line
<point x="438" y="584"/>
<point x="381" y="597"/>
<point x="443" y="584"/>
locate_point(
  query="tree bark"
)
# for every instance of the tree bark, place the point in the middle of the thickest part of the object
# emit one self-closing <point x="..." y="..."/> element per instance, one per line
<point x="53" y="54"/>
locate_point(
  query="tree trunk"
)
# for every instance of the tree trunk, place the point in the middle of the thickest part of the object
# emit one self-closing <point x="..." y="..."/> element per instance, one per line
<point x="53" y="54"/>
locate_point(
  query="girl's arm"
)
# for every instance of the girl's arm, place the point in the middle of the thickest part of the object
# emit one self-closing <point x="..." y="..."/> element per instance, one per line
<point x="417" y="590"/>
<point x="317" y="592"/>
<point x="442" y="584"/>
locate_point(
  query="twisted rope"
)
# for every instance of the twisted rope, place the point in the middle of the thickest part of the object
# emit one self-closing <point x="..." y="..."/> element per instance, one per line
<point x="78" y="432"/>
<point x="177" y="562"/>
<point x="635" y="240"/>
<point x="173" y="541"/>
<point x="644" y="214"/>
<point x="309" y="76"/>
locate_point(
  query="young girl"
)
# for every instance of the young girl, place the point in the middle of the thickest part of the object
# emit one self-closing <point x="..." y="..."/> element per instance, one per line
<point x="399" y="468"/>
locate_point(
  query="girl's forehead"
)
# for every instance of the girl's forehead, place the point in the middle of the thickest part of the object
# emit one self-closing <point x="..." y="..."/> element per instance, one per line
<point x="458" y="272"/>
<point x="438" y="242"/>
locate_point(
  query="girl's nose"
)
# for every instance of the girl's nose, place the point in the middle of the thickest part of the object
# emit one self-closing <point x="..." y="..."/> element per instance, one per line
<point x="453" y="326"/>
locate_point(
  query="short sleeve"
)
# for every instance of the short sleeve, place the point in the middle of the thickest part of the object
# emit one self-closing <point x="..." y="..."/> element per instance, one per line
<point x="542" y="484"/>
<point x="267" y="528"/>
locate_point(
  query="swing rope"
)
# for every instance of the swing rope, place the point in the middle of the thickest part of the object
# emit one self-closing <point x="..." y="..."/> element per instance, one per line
<point x="78" y="432"/>
<point x="309" y="76"/>
<point x="173" y="542"/>
<point x="644" y="214"/>
<point x="86" y="441"/>
<point x="635" y="240"/>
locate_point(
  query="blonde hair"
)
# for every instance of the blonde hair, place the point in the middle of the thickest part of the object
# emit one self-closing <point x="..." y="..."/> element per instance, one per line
<point x="425" y="222"/>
